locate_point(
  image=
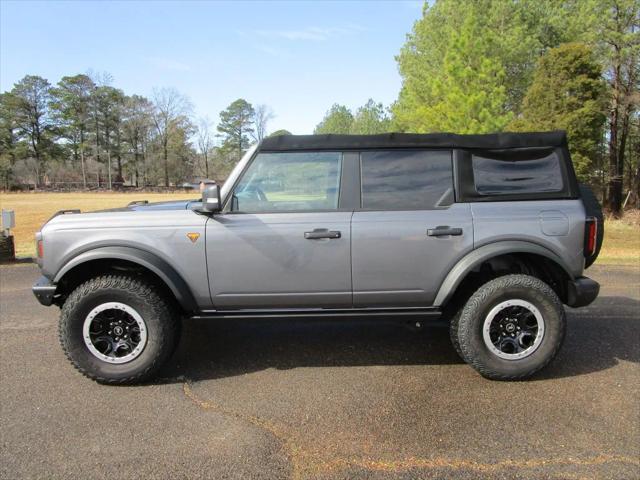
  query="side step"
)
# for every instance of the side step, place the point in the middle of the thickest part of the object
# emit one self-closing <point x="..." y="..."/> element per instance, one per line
<point x="321" y="313"/>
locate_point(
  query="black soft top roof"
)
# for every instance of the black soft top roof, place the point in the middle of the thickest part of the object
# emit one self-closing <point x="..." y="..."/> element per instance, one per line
<point x="414" y="140"/>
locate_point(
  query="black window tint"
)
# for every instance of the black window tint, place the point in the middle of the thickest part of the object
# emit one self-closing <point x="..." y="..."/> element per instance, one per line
<point x="496" y="176"/>
<point x="406" y="180"/>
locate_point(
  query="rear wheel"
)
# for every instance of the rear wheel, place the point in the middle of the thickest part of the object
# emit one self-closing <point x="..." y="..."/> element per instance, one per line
<point x="511" y="327"/>
<point x="118" y="329"/>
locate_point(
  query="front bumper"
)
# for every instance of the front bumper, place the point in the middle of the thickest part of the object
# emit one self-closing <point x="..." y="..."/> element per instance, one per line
<point x="44" y="291"/>
<point x="582" y="291"/>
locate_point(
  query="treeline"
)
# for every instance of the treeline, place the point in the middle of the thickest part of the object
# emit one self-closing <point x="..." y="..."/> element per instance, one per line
<point x="467" y="67"/>
<point x="85" y="132"/>
<point x="523" y="65"/>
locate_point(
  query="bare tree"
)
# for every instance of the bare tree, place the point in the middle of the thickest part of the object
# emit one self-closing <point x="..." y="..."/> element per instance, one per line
<point x="101" y="79"/>
<point x="620" y="35"/>
<point x="205" y="142"/>
<point x="170" y="107"/>
<point x="261" y="118"/>
<point x="136" y="126"/>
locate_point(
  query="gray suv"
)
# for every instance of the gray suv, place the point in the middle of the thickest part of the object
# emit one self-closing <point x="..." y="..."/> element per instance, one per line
<point x="490" y="232"/>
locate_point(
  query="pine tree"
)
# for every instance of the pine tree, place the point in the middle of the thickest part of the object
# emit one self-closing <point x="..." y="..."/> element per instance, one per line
<point x="568" y="93"/>
<point x="468" y="95"/>
<point x="236" y="126"/>
<point x="337" y="120"/>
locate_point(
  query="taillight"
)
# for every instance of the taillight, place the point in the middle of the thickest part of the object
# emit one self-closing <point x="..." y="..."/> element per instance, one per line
<point x="40" y="248"/>
<point x="590" y="236"/>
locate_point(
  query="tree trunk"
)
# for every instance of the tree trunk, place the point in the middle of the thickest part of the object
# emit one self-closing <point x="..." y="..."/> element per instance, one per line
<point x="97" y="141"/>
<point x="118" y="156"/>
<point x="624" y="135"/>
<point x="614" y="197"/>
<point x="136" y="159"/>
<point x="107" y="135"/>
<point x="84" y="173"/>
<point x="109" y="168"/>
<point x="166" y="161"/>
<point x="636" y="188"/>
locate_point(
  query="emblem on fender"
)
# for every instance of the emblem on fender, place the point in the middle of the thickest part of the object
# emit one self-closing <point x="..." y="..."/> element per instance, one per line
<point x="193" y="237"/>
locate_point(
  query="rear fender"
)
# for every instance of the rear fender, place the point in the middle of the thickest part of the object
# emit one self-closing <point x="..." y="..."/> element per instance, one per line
<point x="486" y="252"/>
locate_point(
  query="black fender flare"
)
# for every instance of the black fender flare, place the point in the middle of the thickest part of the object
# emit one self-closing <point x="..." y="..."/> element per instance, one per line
<point x="148" y="260"/>
<point x="486" y="252"/>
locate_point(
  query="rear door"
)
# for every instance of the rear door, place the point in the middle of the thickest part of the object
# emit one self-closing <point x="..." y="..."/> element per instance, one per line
<point x="408" y="232"/>
<point x="285" y="240"/>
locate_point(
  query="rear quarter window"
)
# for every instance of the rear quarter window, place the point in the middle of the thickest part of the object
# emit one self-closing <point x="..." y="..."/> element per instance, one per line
<point x="527" y="173"/>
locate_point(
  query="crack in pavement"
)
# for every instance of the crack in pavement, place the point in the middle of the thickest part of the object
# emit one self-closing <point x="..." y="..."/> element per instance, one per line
<point x="295" y="453"/>
<point x="459" y="464"/>
<point x="274" y="430"/>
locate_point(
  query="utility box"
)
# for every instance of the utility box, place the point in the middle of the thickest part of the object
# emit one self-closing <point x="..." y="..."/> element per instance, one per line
<point x="7" y="247"/>
<point x="8" y="220"/>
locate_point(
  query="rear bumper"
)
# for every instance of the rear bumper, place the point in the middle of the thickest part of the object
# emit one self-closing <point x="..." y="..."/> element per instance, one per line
<point x="582" y="291"/>
<point x="44" y="291"/>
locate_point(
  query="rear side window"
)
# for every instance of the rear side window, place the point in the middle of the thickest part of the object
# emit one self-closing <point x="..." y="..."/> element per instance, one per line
<point x="406" y="180"/>
<point x="531" y="172"/>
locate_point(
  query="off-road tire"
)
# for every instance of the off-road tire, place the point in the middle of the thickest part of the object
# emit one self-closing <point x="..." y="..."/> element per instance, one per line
<point x="593" y="209"/>
<point x="453" y="332"/>
<point x="470" y="325"/>
<point x="159" y="315"/>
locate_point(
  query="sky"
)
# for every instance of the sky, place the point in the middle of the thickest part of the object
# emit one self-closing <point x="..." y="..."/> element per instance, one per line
<point x="297" y="57"/>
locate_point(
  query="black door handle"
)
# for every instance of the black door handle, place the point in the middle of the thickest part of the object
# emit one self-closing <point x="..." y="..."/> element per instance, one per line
<point x="319" y="233"/>
<point x="443" y="231"/>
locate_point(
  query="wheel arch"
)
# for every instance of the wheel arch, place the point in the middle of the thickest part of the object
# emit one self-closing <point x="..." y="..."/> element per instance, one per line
<point x="526" y="251"/>
<point x="97" y="260"/>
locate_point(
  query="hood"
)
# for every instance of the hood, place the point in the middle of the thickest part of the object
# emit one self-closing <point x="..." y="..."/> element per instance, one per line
<point x="145" y="206"/>
<point x="141" y="206"/>
<point x="172" y="205"/>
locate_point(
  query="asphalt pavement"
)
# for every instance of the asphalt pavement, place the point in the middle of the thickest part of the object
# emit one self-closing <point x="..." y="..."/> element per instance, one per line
<point x="298" y="399"/>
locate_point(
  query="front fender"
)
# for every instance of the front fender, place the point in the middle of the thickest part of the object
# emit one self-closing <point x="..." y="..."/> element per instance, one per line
<point x="145" y="259"/>
<point x="476" y="257"/>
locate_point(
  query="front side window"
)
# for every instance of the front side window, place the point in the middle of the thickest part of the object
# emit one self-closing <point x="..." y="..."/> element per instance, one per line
<point x="289" y="181"/>
<point x="406" y="180"/>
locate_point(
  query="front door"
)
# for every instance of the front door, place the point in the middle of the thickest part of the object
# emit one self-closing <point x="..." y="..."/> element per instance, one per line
<point x="409" y="232"/>
<point x="283" y="241"/>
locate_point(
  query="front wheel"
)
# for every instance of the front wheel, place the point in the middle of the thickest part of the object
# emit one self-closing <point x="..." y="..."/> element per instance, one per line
<point x="511" y="327"/>
<point x="118" y="329"/>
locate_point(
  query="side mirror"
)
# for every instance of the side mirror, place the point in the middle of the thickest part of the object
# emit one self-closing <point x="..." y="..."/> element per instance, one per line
<point x="211" y="199"/>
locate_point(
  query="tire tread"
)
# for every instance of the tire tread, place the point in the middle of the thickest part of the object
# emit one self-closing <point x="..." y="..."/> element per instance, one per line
<point x="475" y="305"/>
<point x="149" y="295"/>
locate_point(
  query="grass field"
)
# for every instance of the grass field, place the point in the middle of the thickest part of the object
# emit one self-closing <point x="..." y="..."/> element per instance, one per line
<point x="621" y="243"/>
<point x="33" y="209"/>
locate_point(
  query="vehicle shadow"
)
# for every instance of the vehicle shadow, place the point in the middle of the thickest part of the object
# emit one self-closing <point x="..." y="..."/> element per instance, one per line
<point x="598" y="337"/>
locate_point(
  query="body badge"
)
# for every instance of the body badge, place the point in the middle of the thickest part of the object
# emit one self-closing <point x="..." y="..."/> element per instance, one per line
<point x="193" y="237"/>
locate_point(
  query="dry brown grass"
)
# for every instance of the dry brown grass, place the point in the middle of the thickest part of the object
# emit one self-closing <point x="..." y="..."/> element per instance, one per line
<point x="33" y="209"/>
<point x="621" y="243"/>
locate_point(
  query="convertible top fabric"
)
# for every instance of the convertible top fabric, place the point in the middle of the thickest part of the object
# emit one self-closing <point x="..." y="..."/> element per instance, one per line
<point x="489" y="141"/>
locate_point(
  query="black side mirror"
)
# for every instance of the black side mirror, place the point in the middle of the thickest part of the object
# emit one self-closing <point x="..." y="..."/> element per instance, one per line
<point x="211" y="202"/>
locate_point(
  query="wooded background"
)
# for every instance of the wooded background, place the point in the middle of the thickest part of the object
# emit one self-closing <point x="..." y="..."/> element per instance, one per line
<point x="467" y="67"/>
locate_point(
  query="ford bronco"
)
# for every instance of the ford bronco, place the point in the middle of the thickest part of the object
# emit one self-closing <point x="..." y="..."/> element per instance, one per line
<point x="491" y="232"/>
